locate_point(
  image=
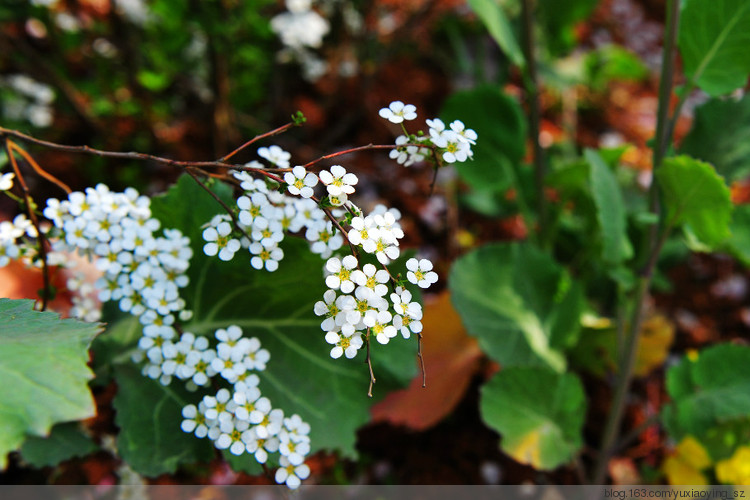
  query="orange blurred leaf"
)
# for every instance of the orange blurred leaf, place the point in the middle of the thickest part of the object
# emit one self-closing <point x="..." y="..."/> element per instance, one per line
<point x="451" y="359"/>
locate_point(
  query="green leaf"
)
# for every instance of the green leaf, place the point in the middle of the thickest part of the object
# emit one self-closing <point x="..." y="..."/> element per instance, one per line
<point x="713" y="40"/>
<point x="695" y="196"/>
<point x="519" y="303"/>
<point x="559" y="17"/>
<point x="64" y="442"/>
<point x="538" y="413"/>
<point x="610" y="210"/>
<point x="496" y="22"/>
<point x="707" y="391"/>
<point x="301" y="377"/>
<point x="43" y="372"/>
<point x="500" y="126"/>
<point x="149" y="416"/>
<point x="720" y="135"/>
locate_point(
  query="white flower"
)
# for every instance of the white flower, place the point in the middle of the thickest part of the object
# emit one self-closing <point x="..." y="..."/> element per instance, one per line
<point x="260" y="446"/>
<point x="294" y="451"/>
<point x="275" y="155"/>
<point x="323" y="238"/>
<point x="343" y="344"/>
<point x="341" y="271"/>
<point x="297" y="429"/>
<point x="420" y="272"/>
<point x="232" y="436"/>
<point x="464" y="134"/>
<point x="372" y="278"/>
<point x="338" y="181"/>
<point x="455" y="146"/>
<point x="291" y="474"/>
<point x="381" y="327"/>
<point x="195" y="421"/>
<point x="364" y="233"/>
<point x="300" y="182"/>
<point x="221" y="407"/>
<point x="265" y="257"/>
<point x="6" y="181"/>
<point x="220" y="241"/>
<point x="397" y="112"/>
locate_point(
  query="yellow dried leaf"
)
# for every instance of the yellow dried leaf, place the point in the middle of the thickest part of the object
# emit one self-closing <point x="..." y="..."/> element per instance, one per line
<point x="657" y="335"/>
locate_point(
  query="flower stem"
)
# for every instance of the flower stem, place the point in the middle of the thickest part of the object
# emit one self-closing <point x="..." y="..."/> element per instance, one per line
<point x="531" y="82"/>
<point x="655" y="240"/>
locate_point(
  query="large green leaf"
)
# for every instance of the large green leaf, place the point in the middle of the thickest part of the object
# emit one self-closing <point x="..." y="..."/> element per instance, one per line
<point x="497" y="23"/>
<point x="149" y="416"/>
<point x="64" y="442"/>
<point x="721" y="136"/>
<point x="538" y="413"/>
<point x="697" y="198"/>
<point x="278" y="309"/>
<point x="519" y="303"/>
<point x="610" y="209"/>
<point x="43" y="372"/>
<point x="713" y="40"/>
<point x="709" y="390"/>
<point x="498" y="121"/>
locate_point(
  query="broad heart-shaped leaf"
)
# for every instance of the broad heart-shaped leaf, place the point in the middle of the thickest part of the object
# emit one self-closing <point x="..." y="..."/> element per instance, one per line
<point x="521" y="305"/>
<point x="695" y="196"/>
<point x="149" y="416"/>
<point x="539" y="414"/>
<point x="713" y="41"/>
<point x="65" y="441"/>
<point x="497" y="23"/>
<point x="610" y="209"/>
<point x="707" y="391"/>
<point x="43" y="372"/>
<point x="720" y="135"/>
<point x="501" y="130"/>
<point x="278" y="309"/>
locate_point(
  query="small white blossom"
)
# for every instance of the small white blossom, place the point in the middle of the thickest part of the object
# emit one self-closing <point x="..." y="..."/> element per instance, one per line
<point x="420" y="272"/>
<point x="275" y="155"/>
<point x="300" y="182"/>
<point x="397" y="112"/>
<point x="6" y="181"/>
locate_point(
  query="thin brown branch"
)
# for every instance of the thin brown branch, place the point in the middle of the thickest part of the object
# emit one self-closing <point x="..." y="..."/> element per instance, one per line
<point x="137" y="156"/>
<point x="354" y="150"/>
<point x="41" y="240"/>
<point x="227" y="208"/>
<point x="39" y="170"/>
<point x="255" y="139"/>
<point x="421" y="360"/>
<point x="369" y="364"/>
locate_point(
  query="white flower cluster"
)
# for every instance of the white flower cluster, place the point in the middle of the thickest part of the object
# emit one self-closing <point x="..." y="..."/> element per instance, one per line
<point x="362" y="308"/>
<point x="17" y="241"/>
<point x="300" y="29"/>
<point x="241" y="419"/>
<point x="265" y="215"/>
<point x="143" y="272"/>
<point x="454" y="142"/>
<point x="30" y="100"/>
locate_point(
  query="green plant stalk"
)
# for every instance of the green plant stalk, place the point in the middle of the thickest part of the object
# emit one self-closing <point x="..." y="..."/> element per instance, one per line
<point x="654" y="243"/>
<point x="534" y="115"/>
